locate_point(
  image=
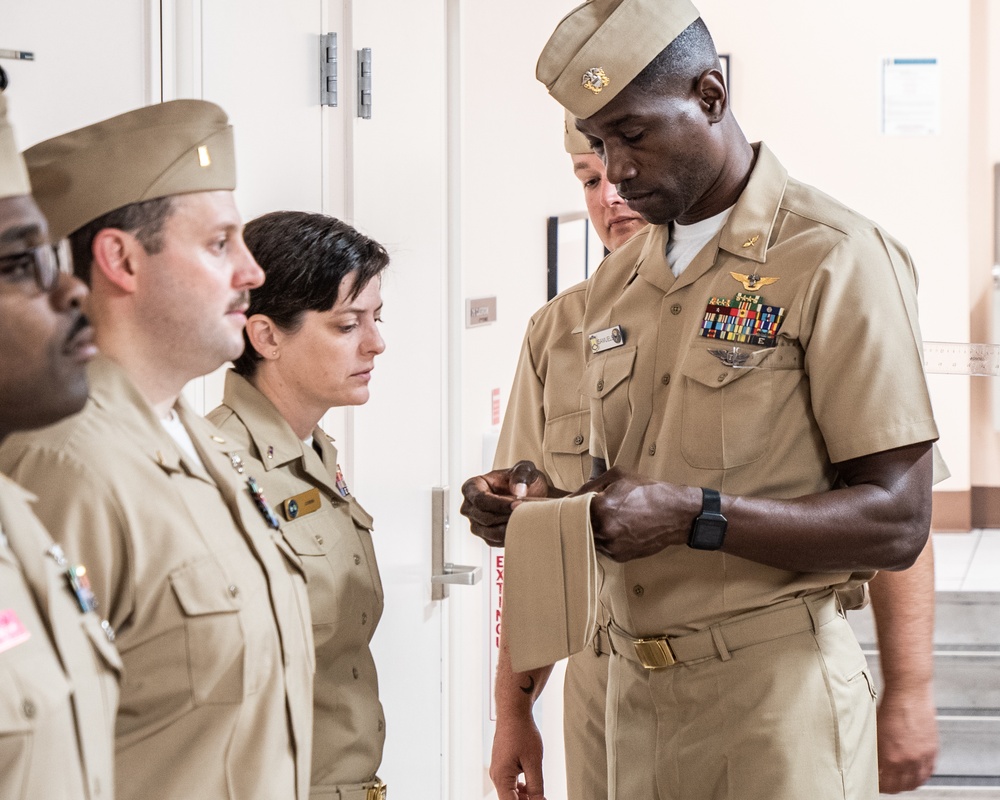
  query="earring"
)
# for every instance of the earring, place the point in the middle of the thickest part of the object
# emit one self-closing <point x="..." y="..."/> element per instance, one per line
<point x="275" y="354"/>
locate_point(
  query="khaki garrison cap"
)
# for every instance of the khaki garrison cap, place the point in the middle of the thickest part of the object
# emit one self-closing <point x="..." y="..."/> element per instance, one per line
<point x="599" y="47"/>
<point x="13" y="175"/>
<point x="172" y="148"/>
<point x="576" y="143"/>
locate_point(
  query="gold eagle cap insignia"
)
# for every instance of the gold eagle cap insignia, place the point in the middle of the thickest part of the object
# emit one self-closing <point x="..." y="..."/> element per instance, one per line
<point x="752" y="282"/>
<point x="595" y="79"/>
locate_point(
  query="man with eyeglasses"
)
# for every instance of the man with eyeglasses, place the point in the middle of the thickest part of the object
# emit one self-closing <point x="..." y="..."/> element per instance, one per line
<point x="58" y="668"/>
<point x="182" y="548"/>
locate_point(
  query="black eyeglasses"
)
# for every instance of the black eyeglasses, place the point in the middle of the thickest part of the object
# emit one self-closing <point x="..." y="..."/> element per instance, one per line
<point x="40" y="264"/>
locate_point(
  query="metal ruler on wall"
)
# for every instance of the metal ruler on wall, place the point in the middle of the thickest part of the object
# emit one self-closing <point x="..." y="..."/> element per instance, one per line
<point x="962" y="358"/>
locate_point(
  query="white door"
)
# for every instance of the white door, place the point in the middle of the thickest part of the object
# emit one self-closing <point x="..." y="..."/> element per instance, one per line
<point x="91" y="59"/>
<point x="259" y="59"/>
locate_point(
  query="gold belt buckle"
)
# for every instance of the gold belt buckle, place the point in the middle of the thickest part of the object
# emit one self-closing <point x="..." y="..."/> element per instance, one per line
<point x="376" y="792"/>
<point x="654" y="653"/>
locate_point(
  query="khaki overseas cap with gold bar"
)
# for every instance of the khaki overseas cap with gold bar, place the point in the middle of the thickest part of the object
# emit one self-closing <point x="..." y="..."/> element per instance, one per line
<point x="576" y="143"/>
<point x="178" y="147"/>
<point x="13" y="175"/>
<point x="600" y="46"/>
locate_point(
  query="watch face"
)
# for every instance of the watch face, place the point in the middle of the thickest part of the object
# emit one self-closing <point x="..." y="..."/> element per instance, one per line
<point x="708" y="533"/>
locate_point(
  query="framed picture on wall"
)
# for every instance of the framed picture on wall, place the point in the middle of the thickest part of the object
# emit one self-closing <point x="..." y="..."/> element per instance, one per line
<point x="724" y="60"/>
<point x="574" y="251"/>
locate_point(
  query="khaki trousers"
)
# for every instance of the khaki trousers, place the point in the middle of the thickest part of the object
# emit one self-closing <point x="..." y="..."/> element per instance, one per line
<point x="584" y="692"/>
<point x="788" y="719"/>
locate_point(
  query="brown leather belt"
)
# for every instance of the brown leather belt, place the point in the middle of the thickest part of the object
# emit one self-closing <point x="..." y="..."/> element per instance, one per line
<point x="783" y="619"/>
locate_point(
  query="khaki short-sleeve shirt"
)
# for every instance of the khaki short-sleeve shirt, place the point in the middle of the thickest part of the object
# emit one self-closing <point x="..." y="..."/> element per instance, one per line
<point x="768" y="417"/>
<point x="331" y="533"/>
<point x="208" y="602"/>
<point x="547" y="419"/>
<point x="58" y="670"/>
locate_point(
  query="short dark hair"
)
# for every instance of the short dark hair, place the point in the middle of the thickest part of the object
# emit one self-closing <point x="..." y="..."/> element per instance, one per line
<point x="143" y="220"/>
<point x="305" y="258"/>
<point x="681" y="62"/>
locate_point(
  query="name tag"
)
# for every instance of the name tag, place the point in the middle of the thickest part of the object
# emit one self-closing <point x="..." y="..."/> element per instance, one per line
<point x="607" y="339"/>
<point x="301" y="504"/>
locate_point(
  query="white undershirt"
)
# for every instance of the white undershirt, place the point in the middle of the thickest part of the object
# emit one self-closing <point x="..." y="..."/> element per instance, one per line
<point x="179" y="434"/>
<point x="686" y="241"/>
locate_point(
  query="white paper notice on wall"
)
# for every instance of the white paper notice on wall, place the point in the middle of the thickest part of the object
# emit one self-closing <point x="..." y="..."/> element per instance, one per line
<point x="911" y="96"/>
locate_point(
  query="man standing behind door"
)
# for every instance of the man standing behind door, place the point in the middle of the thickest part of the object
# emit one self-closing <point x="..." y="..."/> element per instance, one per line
<point x="548" y="422"/>
<point x="182" y="549"/>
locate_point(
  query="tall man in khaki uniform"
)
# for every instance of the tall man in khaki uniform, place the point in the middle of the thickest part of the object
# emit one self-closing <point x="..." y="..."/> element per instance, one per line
<point x="727" y="347"/>
<point x="58" y="668"/>
<point x="183" y="553"/>
<point x="548" y="422"/>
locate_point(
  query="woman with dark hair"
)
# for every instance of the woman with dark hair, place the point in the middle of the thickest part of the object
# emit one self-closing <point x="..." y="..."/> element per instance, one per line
<point x="311" y="341"/>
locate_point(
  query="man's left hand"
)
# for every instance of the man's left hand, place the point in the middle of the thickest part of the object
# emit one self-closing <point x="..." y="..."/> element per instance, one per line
<point x="634" y="517"/>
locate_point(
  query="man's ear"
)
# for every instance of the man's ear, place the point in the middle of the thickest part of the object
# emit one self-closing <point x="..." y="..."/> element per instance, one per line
<point x="264" y="335"/>
<point x="712" y="93"/>
<point x="114" y="252"/>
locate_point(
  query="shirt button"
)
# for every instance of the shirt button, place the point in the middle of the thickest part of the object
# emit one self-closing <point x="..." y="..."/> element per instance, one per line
<point x="28" y="708"/>
<point x="319" y="539"/>
<point x="357" y="559"/>
<point x="578" y="439"/>
<point x="721" y="378"/>
<point x="234" y="590"/>
<point x="600" y="386"/>
<point x="380" y="724"/>
<point x="652" y="449"/>
<point x="675" y="309"/>
<point x="665" y="379"/>
<point x="637" y="590"/>
<point x="364" y="617"/>
<point x="354" y="672"/>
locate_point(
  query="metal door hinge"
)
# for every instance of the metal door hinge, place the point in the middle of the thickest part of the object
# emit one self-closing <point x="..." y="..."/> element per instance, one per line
<point x="328" y="69"/>
<point x="365" y="83"/>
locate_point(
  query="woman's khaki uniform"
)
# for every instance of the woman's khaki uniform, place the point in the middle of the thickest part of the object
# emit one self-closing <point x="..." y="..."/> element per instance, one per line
<point x="58" y="670"/>
<point x="331" y="533"/>
<point x="208" y="602"/>
<point x="548" y="422"/>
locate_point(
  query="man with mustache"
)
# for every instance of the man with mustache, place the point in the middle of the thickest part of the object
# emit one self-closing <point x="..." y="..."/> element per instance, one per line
<point x="182" y="550"/>
<point x="742" y="478"/>
<point x="58" y="668"/>
<point x="548" y="422"/>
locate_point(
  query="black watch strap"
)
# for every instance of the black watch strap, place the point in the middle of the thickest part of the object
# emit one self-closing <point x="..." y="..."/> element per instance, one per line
<point x="708" y="531"/>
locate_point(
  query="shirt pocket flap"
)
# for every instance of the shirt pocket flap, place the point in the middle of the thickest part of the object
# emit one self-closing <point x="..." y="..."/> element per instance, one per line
<point x="202" y="588"/>
<point x="309" y="536"/>
<point x="569" y="433"/>
<point x="718" y="367"/>
<point x="605" y="371"/>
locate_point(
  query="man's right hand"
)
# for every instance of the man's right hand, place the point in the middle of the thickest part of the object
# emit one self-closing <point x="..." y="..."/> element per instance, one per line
<point x="490" y="498"/>
<point x="517" y="749"/>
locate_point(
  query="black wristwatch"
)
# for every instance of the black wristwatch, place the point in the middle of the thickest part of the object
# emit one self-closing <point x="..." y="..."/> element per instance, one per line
<point x="708" y="531"/>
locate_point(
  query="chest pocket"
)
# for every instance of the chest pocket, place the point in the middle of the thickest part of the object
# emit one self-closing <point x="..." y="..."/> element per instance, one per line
<point x="729" y="412"/>
<point x="213" y="633"/>
<point x="335" y="546"/>
<point x="566" y="445"/>
<point x="606" y="382"/>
